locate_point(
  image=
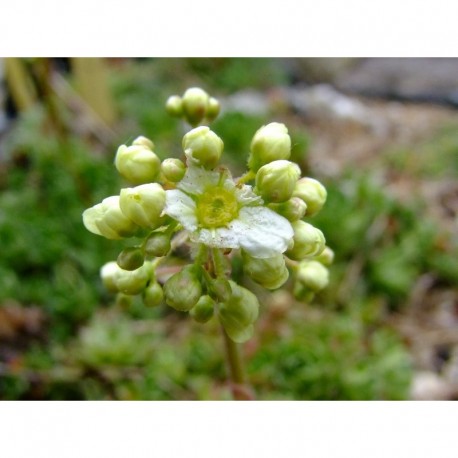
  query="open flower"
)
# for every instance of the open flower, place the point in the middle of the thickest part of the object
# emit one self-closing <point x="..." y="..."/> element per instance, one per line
<point x="218" y="213"/>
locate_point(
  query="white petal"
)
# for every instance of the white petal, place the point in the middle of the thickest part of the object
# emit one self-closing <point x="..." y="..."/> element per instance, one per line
<point x="246" y="196"/>
<point x="221" y="237"/>
<point x="262" y="232"/>
<point x="197" y="179"/>
<point x="181" y="207"/>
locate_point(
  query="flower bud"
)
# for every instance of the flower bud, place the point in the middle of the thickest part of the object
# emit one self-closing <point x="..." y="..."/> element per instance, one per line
<point x="173" y="169"/>
<point x="124" y="301"/>
<point x="183" y="289"/>
<point x="195" y="102"/>
<point x="137" y="164"/>
<point x="153" y="295"/>
<point x="213" y="109"/>
<point x="270" y="143"/>
<point x="204" y="309"/>
<point x="326" y="257"/>
<point x="130" y="258"/>
<point x="293" y="209"/>
<point x="174" y="106"/>
<point x="108" y="220"/>
<point x="108" y="274"/>
<point x="313" y="275"/>
<point x="220" y="289"/>
<point x="143" y="141"/>
<point x="134" y="281"/>
<point x="302" y="293"/>
<point x="143" y="204"/>
<point x="275" y="181"/>
<point x="268" y="272"/>
<point x="157" y="245"/>
<point x="312" y="192"/>
<point x="308" y="241"/>
<point x="239" y="313"/>
<point x="203" y="147"/>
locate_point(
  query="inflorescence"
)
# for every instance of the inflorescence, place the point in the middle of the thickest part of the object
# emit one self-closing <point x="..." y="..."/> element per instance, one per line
<point x="197" y="202"/>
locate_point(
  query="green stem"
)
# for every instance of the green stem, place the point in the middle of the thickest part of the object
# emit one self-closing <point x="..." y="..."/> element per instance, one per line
<point x="248" y="176"/>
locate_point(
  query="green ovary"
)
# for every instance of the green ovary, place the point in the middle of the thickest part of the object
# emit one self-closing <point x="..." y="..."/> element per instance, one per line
<point x="217" y="207"/>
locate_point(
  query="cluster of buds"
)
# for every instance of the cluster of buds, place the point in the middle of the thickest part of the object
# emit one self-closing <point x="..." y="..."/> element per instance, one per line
<point x="196" y="201"/>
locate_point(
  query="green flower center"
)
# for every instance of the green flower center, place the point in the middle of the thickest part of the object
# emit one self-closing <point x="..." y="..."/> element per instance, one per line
<point x="217" y="207"/>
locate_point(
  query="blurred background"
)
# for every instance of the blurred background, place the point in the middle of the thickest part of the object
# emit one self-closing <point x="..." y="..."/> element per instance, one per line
<point x="380" y="134"/>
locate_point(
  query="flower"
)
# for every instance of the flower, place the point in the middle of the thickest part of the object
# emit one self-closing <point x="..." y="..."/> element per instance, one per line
<point x="218" y="213"/>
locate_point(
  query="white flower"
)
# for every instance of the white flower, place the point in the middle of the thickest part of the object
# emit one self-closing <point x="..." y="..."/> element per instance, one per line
<point x="220" y="214"/>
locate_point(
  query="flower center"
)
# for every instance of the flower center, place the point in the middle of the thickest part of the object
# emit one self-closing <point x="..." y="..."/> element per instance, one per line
<point x="217" y="207"/>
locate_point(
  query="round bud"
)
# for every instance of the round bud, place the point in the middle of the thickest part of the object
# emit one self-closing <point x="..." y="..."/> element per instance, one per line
<point x="153" y="295"/>
<point x="134" y="281"/>
<point x="203" y="147"/>
<point x="143" y="204"/>
<point x="124" y="301"/>
<point x="195" y="102"/>
<point x="293" y="209"/>
<point x="143" y="141"/>
<point x="308" y="241"/>
<point x="220" y="289"/>
<point x="239" y="313"/>
<point x="137" y="164"/>
<point x="312" y="192"/>
<point x="326" y="257"/>
<point x="302" y="293"/>
<point x="213" y="109"/>
<point x="108" y="220"/>
<point x="183" y="289"/>
<point x="313" y="275"/>
<point x="268" y="272"/>
<point x="130" y="258"/>
<point x="275" y="181"/>
<point x="157" y="245"/>
<point x="204" y="309"/>
<point x="174" y="106"/>
<point x="173" y="169"/>
<point x="270" y="143"/>
<point x="108" y="274"/>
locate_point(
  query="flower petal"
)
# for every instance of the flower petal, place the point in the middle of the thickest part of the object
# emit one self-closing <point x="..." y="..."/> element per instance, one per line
<point x="181" y="207"/>
<point x="197" y="179"/>
<point x="261" y="232"/>
<point x="246" y="196"/>
<point x="221" y="237"/>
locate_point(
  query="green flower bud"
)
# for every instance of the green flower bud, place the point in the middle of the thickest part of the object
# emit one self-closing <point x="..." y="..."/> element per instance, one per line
<point x="130" y="258"/>
<point x="239" y="313"/>
<point x="326" y="257"/>
<point x="183" y="289"/>
<point x="124" y="301"/>
<point x="143" y="204"/>
<point x="312" y="192"/>
<point x="275" y="181"/>
<point x="137" y="164"/>
<point x="195" y="102"/>
<point x="268" y="272"/>
<point x="173" y="169"/>
<point x="213" y="109"/>
<point x="308" y="241"/>
<point x="108" y="220"/>
<point x="302" y="293"/>
<point x="174" y="106"/>
<point x="157" y="245"/>
<point x="293" y="209"/>
<point x="133" y="282"/>
<point x="143" y="141"/>
<point x="203" y="147"/>
<point x="270" y="143"/>
<point x="204" y="309"/>
<point x="313" y="275"/>
<point x="153" y="295"/>
<point x="220" y="289"/>
<point x="108" y="274"/>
